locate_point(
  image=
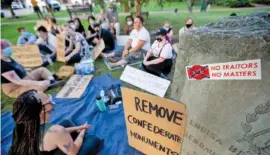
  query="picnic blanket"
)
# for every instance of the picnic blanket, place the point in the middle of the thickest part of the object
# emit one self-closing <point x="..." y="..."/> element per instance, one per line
<point x="109" y="125"/>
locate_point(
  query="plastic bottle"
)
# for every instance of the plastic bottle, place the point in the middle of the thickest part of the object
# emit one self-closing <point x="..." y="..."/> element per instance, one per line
<point x="101" y="104"/>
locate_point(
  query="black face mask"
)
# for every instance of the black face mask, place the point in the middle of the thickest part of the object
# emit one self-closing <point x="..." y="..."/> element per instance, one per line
<point x="188" y="25"/>
<point x="159" y="39"/>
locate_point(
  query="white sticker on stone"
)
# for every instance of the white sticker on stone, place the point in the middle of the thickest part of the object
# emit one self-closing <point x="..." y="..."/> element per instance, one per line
<point x="237" y="70"/>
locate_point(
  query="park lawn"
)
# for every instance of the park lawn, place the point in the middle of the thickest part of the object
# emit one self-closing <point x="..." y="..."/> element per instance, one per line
<point x="155" y="21"/>
<point x="151" y="6"/>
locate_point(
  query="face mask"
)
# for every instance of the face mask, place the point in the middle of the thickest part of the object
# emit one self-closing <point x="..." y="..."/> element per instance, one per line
<point x="129" y="23"/>
<point x="111" y="9"/>
<point x="159" y="39"/>
<point x="166" y="28"/>
<point x="8" y="51"/>
<point x="188" y="25"/>
<point x="92" y="22"/>
<point x="73" y="26"/>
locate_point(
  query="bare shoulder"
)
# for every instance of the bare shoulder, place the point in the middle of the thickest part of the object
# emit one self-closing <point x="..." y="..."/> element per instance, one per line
<point x="57" y="130"/>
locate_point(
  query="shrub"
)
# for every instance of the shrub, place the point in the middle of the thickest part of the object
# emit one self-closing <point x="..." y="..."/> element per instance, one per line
<point x="261" y="1"/>
<point x="233" y="3"/>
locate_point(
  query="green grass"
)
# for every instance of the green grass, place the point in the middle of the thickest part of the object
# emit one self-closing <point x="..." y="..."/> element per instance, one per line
<point x="155" y="21"/>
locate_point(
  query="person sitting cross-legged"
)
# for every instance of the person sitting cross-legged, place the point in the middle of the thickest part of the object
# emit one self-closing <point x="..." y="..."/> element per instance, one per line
<point x="14" y="78"/>
<point x="137" y="45"/>
<point x="158" y="60"/>
<point x="33" y="134"/>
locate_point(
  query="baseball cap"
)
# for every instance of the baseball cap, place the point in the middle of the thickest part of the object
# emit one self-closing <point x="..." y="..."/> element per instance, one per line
<point x="161" y="31"/>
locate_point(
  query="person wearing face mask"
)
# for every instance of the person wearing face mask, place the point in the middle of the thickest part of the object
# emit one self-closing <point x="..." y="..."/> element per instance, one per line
<point x="112" y="19"/>
<point x="81" y="50"/>
<point x="169" y="30"/>
<point x="15" y="80"/>
<point x="129" y="25"/>
<point x="189" y="25"/>
<point x="91" y="33"/>
<point x="33" y="134"/>
<point x="158" y="60"/>
<point x="102" y="19"/>
<point x="25" y="37"/>
<point x="137" y="45"/>
<point x="72" y="25"/>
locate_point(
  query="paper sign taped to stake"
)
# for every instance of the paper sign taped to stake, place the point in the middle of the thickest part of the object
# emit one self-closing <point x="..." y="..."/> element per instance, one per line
<point x="155" y="126"/>
<point x="98" y="49"/>
<point x="146" y="81"/>
<point x="27" y="55"/>
<point x="75" y="86"/>
<point x="237" y="70"/>
<point x="60" y="47"/>
<point x="44" y="23"/>
<point x="122" y="40"/>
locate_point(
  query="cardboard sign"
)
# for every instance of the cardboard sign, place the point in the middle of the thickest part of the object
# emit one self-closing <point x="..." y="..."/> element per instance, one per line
<point x="237" y="70"/>
<point x="98" y="49"/>
<point x="60" y="48"/>
<point x="122" y="40"/>
<point x="75" y="86"/>
<point x="146" y="81"/>
<point x="27" y="55"/>
<point x="155" y="126"/>
<point x="44" y="23"/>
<point x="65" y="71"/>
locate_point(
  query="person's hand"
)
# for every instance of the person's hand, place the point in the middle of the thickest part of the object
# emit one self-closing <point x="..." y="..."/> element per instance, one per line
<point x="85" y="126"/>
<point x="67" y="59"/>
<point x="125" y="53"/>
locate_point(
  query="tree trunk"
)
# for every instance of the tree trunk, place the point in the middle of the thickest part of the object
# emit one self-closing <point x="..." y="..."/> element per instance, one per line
<point x="12" y="11"/>
<point x="138" y="7"/>
<point x="126" y="7"/>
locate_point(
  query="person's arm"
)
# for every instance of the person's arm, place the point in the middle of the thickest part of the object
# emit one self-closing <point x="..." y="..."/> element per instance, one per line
<point x="31" y="40"/>
<point x="19" y="42"/>
<point x="155" y="61"/>
<point x="90" y="35"/>
<point x="61" y="137"/>
<point x="107" y="21"/>
<point x="75" y="51"/>
<point x="148" y="54"/>
<point x="78" y="128"/>
<point x="138" y="46"/>
<point x="14" y="78"/>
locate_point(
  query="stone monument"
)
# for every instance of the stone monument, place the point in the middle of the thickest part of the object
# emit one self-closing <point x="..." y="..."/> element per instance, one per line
<point x="226" y="117"/>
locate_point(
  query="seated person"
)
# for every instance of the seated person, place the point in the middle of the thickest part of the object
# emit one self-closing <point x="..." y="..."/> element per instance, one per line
<point x="81" y="50"/>
<point x="137" y="45"/>
<point x="158" y="60"/>
<point x="91" y="33"/>
<point x="47" y="44"/>
<point x="169" y="30"/>
<point x="25" y="38"/>
<point x="106" y="36"/>
<point x="129" y="25"/>
<point x="72" y="25"/>
<point x="112" y="19"/>
<point x="55" y="29"/>
<point x="189" y="25"/>
<point x="15" y="80"/>
<point x="34" y="135"/>
<point x="79" y="26"/>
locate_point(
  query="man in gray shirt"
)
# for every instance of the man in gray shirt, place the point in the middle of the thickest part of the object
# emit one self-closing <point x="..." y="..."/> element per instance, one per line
<point x="112" y="19"/>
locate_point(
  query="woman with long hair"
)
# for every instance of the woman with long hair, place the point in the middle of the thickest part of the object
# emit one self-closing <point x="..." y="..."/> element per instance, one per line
<point x="79" y="26"/>
<point x="34" y="135"/>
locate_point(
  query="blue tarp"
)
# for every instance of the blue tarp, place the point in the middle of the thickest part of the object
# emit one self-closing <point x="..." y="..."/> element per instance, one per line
<point x="109" y="125"/>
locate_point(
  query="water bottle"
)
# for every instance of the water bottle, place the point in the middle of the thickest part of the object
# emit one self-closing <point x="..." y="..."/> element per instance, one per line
<point x="101" y="104"/>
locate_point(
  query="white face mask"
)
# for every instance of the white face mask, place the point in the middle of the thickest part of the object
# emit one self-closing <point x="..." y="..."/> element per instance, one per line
<point x="92" y="21"/>
<point x="73" y="26"/>
<point x="129" y="23"/>
<point x="166" y="28"/>
<point x="111" y="9"/>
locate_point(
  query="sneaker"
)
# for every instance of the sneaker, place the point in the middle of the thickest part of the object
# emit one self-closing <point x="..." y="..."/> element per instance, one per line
<point x="57" y="84"/>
